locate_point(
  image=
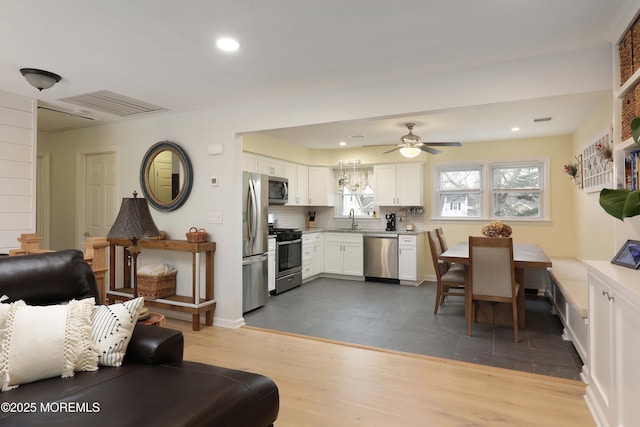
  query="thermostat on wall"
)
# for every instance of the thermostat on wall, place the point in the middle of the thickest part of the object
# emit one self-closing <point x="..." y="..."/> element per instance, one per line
<point x="215" y="181"/>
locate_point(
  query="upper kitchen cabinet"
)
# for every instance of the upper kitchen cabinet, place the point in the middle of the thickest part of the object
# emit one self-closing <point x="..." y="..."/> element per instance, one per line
<point x="262" y="164"/>
<point x="249" y="162"/>
<point x="398" y="184"/>
<point x="298" y="179"/>
<point x="321" y="186"/>
<point x="270" y="166"/>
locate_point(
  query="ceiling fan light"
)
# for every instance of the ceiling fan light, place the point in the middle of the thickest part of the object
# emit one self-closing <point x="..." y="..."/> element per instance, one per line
<point x="410" y="152"/>
<point x="40" y="79"/>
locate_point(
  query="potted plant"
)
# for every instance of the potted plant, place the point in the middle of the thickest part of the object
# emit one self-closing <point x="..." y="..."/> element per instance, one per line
<point x="623" y="203"/>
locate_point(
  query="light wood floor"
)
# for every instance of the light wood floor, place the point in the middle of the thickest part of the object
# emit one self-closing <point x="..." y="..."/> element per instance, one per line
<point x="324" y="383"/>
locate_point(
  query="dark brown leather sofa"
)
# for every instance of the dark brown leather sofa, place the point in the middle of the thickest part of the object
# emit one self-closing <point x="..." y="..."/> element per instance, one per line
<point x="154" y="386"/>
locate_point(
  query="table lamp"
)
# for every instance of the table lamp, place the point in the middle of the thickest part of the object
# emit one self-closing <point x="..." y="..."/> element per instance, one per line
<point x="133" y="222"/>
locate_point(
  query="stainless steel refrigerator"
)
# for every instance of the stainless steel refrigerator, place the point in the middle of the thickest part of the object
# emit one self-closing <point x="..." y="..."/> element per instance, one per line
<point x="254" y="240"/>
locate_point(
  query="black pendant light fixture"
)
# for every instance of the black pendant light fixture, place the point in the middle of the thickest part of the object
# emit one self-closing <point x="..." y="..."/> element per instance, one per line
<point x="40" y="79"/>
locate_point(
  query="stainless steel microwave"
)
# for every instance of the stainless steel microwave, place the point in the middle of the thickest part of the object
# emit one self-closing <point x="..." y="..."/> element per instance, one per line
<point x="278" y="190"/>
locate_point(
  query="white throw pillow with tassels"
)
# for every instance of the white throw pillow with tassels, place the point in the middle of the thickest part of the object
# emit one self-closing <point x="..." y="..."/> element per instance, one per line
<point x="38" y="342"/>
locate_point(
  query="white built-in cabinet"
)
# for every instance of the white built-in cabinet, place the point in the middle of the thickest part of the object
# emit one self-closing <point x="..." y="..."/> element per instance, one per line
<point x="298" y="179"/>
<point x="321" y="186"/>
<point x="626" y="96"/>
<point x="312" y="255"/>
<point x="613" y="386"/>
<point x="344" y="254"/>
<point x="398" y="184"/>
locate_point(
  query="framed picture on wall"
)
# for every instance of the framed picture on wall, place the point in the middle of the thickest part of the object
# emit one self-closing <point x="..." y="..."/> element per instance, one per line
<point x="628" y="255"/>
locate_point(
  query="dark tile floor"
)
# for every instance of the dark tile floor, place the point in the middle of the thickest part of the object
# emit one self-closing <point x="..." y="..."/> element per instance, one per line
<point x="401" y="318"/>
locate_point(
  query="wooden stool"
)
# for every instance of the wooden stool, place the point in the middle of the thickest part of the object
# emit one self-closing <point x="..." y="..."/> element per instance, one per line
<point x="154" y="319"/>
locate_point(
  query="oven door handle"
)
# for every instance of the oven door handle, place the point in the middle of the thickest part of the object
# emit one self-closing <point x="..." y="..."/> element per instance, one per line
<point x="290" y="242"/>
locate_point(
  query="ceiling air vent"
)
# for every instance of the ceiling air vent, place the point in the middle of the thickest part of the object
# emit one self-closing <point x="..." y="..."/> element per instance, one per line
<point x="356" y="136"/>
<point x="113" y="103"/>
<point x="541" y="119"/>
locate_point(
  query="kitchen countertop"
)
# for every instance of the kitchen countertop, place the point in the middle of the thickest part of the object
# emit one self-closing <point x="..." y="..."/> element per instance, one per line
<point x="365" y="232"/>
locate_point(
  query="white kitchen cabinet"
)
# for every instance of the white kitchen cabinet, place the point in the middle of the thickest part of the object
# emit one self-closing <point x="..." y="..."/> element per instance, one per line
<point x="261" y="164"/>
<point x="411" y="255"/>
<point x="614" y="326"/>
<point x="271" y="264"/>
<point x="249" y="162"/>
<point x="298" y="180"/>
<point x="312" y="255"/>
<point x="600" y="348"/>
<point x="321" y="186"/>
<point x="407" y="258"/>
<point x="270" y="166"/>
<point x="398" y="184"/>
<point x="344" y="254"/>
<point x="318" y="255"/>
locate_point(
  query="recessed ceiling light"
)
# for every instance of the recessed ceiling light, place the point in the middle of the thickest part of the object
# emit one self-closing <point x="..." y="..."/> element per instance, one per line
<point x="227" y="44"/>
<point x="342" y="143"/>
<point x="515" y="129"/>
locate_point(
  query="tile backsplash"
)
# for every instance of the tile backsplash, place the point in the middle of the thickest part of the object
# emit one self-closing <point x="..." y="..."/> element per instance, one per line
<point x="296" y="217"/>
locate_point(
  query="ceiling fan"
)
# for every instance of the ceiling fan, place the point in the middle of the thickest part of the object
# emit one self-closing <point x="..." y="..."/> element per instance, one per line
<point x="411" y="144"/>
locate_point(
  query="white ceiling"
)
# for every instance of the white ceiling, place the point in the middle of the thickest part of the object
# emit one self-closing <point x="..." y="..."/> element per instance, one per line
<point x="162" y="52"/>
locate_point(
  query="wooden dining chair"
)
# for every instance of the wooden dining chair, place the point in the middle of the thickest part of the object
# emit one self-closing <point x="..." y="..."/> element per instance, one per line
<point x="492" y="276"/>
<point x="449" y="282"/>
<point x="444" y="247"/>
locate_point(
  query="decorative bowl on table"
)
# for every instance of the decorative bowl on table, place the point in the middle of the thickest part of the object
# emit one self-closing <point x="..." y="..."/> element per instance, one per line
<point x="496" y="229"/>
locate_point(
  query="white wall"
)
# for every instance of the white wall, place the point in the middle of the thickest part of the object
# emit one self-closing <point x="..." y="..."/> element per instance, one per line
<point x="592" y="242"/>
<point x="540" y="77"/>
<point x="17" y="169"/>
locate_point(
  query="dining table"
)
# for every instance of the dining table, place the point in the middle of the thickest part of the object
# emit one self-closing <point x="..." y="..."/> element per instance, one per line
<point x="525" y="256"/>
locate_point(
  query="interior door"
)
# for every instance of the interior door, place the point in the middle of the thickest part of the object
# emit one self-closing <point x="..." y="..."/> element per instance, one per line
<point x="100" y="204"/>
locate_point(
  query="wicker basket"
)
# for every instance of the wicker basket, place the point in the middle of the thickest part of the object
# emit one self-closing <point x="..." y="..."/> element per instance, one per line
<point x="157" y="286"/>
<point x="195" y="235"/>
<point x="629" y="111"/>
<point x="635" y="45"/>
<point x="625" y="49"/>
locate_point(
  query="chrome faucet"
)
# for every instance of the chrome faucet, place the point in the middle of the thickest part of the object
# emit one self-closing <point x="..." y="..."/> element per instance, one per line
<point x="352" y="215"/>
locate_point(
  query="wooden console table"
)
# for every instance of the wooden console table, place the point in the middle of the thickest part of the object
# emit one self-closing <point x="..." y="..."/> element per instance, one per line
<point x="193" y="304"/>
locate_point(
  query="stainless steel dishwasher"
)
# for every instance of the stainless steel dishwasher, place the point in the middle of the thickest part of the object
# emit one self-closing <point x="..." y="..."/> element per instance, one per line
<point x="381" y="256"/>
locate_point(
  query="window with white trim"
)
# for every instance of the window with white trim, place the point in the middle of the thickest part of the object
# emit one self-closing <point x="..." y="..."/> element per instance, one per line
<point x="354" y="191"/>
<point x="516" y="191"/>
<point x="505" y="190"/>
<point x="460" y="192"/>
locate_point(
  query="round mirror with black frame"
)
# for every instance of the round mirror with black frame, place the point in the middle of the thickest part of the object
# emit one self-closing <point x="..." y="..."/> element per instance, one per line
<point x="166" y="176"/>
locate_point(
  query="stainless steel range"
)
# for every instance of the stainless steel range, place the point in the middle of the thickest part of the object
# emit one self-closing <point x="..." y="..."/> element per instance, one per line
<point x="288" y="258"/>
